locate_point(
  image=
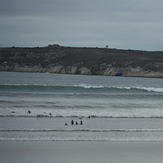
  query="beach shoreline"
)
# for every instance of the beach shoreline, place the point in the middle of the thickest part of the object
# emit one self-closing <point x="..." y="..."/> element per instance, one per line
<point x="80" y="151"/>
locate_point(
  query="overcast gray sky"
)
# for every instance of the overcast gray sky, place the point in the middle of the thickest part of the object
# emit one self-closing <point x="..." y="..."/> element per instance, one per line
<point x="122" y="24"/>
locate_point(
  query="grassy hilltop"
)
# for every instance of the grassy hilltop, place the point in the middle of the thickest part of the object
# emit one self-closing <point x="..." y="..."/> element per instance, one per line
<point x="75" y="60"/>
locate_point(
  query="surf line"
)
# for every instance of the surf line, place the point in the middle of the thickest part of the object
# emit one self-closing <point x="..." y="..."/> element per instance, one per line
<point x="82" y="130"/>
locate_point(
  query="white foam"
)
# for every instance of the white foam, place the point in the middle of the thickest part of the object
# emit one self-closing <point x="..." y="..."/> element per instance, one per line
<point x="151" y="89"/>
<point x="89" y="86"/>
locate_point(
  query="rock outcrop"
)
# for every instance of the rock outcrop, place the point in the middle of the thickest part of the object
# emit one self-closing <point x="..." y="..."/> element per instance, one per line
<point x="87" y="61"/>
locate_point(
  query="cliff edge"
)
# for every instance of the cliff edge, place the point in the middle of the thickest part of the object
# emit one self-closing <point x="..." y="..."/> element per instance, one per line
<point x="91" y="61"/>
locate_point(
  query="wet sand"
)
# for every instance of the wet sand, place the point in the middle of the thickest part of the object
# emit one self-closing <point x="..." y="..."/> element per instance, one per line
<point x="80" y="152"/>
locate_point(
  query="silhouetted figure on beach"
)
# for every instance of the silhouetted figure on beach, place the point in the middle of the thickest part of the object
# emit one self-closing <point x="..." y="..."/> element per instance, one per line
<point x="72" y="122"/>
<point x="81" y="123"/>
<point x="29" y="112"/>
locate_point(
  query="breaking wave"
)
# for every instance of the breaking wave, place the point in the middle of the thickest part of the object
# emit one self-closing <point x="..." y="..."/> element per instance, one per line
<point x="76" y="87"/>
<point x="80" y="117"/>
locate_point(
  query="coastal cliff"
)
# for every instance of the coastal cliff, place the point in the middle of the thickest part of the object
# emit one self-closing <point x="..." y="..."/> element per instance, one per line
<point x="87" y="61"/>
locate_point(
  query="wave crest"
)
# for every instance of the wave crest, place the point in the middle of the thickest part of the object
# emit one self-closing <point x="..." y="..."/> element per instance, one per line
<point x="81" y="86"/>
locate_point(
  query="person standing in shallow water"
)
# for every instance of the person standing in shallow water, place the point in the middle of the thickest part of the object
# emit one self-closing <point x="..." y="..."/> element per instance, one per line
<point x="72" y="122"/>
<point x="81" y="123"/>
<point x="28" y="111"/>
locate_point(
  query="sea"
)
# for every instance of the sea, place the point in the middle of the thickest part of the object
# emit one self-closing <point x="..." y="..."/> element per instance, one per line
<point x="64" y="107"/>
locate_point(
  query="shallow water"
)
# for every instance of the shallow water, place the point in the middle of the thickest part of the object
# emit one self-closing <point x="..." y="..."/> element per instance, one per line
<point x="99" y="129"/>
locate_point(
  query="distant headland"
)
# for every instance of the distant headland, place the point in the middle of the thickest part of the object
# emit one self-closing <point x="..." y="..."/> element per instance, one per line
<point x="83" y="60"/>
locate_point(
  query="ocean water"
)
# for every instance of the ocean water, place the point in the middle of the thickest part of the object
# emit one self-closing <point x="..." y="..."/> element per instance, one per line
<point x="36" y="106"/>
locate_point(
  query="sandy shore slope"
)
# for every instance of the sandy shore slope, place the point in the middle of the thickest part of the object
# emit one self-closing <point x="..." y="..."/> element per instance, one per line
<point x="80" y="152"/>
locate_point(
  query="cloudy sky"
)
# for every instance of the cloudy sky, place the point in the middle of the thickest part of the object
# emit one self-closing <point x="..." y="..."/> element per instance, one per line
<point x="122" y="24"/>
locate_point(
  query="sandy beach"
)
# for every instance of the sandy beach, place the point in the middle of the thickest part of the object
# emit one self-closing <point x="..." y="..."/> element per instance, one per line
<point x="80" y="152"/>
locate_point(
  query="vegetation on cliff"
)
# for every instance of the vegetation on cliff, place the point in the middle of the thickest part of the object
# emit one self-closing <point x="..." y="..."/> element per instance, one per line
<point x="75" y="60"/>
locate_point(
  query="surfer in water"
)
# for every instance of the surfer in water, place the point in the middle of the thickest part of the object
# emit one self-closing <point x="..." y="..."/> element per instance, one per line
<point x="66" y="124"/>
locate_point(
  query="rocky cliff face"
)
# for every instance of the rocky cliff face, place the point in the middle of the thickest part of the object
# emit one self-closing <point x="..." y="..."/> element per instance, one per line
<point x="87" y="61"/>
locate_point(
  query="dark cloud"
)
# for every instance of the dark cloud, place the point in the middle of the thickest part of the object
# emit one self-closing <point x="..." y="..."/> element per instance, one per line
<point x="131" y="24"/>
